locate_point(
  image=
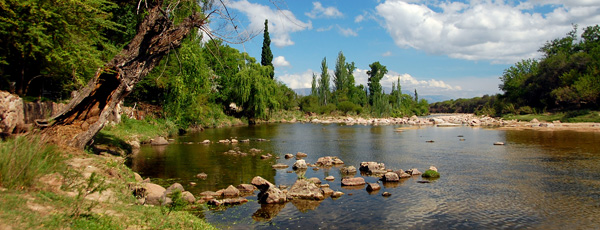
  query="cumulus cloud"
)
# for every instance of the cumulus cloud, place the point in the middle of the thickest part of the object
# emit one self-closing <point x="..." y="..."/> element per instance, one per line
<point x="387" y="54"/>
<point x="319" y="11"/>
<point x="359" y="18"/>
<point x="280" y="61"/>
<point x="299" y="80"/>
<point x="281" y="22"/>
<point x="323" y="29"/>
<point x="429" y="87"/>
<point x="482" y="30"/>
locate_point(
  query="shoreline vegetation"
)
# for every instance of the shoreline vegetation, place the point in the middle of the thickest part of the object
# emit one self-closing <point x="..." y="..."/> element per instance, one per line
<point x="83" y="189"/>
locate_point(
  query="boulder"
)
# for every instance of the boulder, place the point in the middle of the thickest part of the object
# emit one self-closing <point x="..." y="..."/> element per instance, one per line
<point x="386" y="194"/>
<point x="315" y="180"/>
<point x="373" y="187"/>
<point x="300" y="164"/>
<point x="348" y="170"/>
<point x="391" y="177"/>
<point x="189" y="197"/>
<point x="154" y="193"/>
<point x="280" y="166"/>
<point x="205" y="142"/>
<point x="301" y="154"/>
<point x="159" y="141"/>
<point x="433" y="168"/>
<point x="231" y="192"/>
<point x="324" y="161"/>
<point x="288" y="156"/>
<point x="414" y="172"/>
<point x="402" y="174"/>
<point x="137" y="177"/>
<point x="269" y="194"/>
<point x="371" y="166"/>
<point x="11" y="112"/>
<point x="327" y="191"/>
<point x="246" y="188"/>
<point x="330" y="178"/>
<point x="353" y="181"/>
<point x="306" y="189"/>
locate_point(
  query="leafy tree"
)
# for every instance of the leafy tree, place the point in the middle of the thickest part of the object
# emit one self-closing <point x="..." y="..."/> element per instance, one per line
<point x="313" y="89"/>
<point x="266" y="55"/>
<point x="340" y="76"/>
<point x="375" y="75"/>
<point x="324" y="89"/>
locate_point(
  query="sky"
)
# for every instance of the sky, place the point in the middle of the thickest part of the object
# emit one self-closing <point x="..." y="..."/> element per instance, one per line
<point x="457" y="49"/>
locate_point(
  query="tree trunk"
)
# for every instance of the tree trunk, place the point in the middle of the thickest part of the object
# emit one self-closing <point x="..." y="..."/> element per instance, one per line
<point x="89" y="110"/>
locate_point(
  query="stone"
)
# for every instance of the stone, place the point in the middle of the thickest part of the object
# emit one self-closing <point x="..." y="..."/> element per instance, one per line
<point x="402" y="174"/>
<point x="414" y="172"/>
<point x="137" y="177"/>
<point x="269" y="194"/>
<point x="188" y="196"/>
<point x="373" y="187"/>
<point x="300" y="164"/>
<point x="327" y="191"/>
<point x="288" y="156"/>
<point x="391" y="177"/>
<point x="306" y="189"/>
<point x="12" y="114"/>
<point x="348" y="170"/>
<point x="353" y="181"/>
<point x="159" y="141"/>
<point x="337" y="194"/>
<point x="231" y="191"/>
<point x="193" y="183"/>
<point x="233" y="141"/>
<point x="229" y="201"/>
<point x="371" y="166"/>
<point x="280" y="166"/>
<point x="135" y="144"/>
<point x="534" y="121"/>
<point x="430" y="174"/>
<point x="433" y="168"/>
<point x="498" y="143"/>
<point x="301" y="154"/>
<point x="208" y="193"/>
<point x="315" y="180"/>
<point x="330" y="178"/>
<point x="265" y="156"/>
<point x="154" y="193"/>
<point x="174" y="187"/>
<point x="246" y="188"/>
<point x="202" y="176"/>
<point x="205" y="142"/>
<point x="324" y="161"/>
<point x="386" y="194"/>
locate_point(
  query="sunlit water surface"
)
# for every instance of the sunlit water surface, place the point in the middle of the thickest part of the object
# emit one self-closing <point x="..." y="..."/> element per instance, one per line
<point x="540" y="180"/>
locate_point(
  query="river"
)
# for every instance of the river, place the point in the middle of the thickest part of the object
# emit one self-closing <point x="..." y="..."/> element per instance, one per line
<point x="538" y="179"/>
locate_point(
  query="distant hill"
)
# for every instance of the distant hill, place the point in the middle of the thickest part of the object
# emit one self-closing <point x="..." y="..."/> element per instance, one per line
<point x="429" y="98"/>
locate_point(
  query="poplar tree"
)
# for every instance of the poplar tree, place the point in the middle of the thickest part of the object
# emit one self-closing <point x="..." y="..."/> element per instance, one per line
<point x="266" y="58"/>
<point x="324" y="92"/>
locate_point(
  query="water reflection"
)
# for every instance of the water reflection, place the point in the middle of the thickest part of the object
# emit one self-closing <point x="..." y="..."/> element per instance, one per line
<point x="534" y="181"/>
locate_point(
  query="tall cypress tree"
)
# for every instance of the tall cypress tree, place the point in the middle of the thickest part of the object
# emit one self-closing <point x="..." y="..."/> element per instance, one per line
<point x="266" y="58"/>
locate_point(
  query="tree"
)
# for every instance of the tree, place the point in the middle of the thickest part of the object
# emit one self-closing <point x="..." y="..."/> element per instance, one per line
<point x="324" y="90"/>
<point x="416" y="96"/>
<point x="340" y="74"/>
<point x="313" y="89"/>
<point x="266" y="57"/>
<point x="91" y="108"/>
<point x="375" y="75"/>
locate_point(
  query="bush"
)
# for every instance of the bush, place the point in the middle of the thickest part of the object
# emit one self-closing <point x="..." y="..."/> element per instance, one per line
<point x="431" y="174"/>
<point x="24" y="159"/>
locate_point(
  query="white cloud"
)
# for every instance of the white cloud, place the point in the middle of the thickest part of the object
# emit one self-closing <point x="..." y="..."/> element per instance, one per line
<point x="319" y="11"/>
<point x="482" y="30"/>
<point x="298" y="81"/>
<point x="280" y="61"/>
<point x="281" y="22"/>
<point x="323" y="29"/>
<point x="408" y="82"/>
<point x="387" y="54"/>
<point x="348" y="32"/>
<point x="359" y="18"/>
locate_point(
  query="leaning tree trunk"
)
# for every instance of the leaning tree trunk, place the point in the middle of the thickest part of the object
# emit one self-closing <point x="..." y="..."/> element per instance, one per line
<point x="88" y="112"/>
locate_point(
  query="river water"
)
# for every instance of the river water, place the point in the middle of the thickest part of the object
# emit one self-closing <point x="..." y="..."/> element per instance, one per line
<point x="539" y="179"/>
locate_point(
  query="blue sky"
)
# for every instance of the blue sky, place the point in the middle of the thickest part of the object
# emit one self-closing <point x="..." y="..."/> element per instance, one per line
<point x="450" y="48"/>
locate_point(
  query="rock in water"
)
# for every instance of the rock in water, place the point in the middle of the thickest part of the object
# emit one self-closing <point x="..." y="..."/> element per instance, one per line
<point x="430" y="174"/>
<point x="269" y="193"/>
<point x="371" y="166"/>
<point x="306" y="189"/>
<point x="354" y="181"/>
<point x="231" y="192"/>
<point x="300" y="164"/>
<point x="390" y="177"/>
<point x="373" y="187"/>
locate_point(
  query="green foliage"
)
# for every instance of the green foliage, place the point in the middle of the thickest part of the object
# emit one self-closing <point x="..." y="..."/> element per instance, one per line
<point x="431" y="174"/>
<point x="347" y="106"/>
<point x="266" y="55"/>
<point x="324" y="91"/>
<point x="83" y="206"/>
<point x="566" y="78"/>
<point x="309" y="104"/>
<point x="54" y="45"/>
<point x="375" y="75"/>
<point x="143" y="130"/>
<point x="24" y="159"/>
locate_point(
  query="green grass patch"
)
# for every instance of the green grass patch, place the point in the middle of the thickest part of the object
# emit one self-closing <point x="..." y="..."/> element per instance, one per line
<point x="24" y="159"/>
<point x="143" y="130"/>
<point x="431" y="174"/>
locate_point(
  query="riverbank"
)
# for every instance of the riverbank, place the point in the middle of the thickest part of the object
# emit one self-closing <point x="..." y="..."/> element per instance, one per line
<point x="73" y="189"/>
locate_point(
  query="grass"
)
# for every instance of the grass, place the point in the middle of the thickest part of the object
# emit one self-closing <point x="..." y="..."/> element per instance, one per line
<point x="27" y="203"/>
<point x="24" y="159"/>
<point x="571" y="116"/>
<point x="142" y="130"/>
